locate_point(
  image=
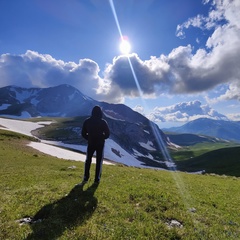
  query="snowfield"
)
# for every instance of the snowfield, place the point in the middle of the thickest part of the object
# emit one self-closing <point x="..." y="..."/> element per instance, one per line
<point x="22" y="127"/>
<point x="57" y="151"/>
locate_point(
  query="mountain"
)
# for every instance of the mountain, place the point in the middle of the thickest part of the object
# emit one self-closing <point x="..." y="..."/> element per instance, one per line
<point x="227" y="130"/>
<point x="132" y="134"/>
<point x="59" y="101"/>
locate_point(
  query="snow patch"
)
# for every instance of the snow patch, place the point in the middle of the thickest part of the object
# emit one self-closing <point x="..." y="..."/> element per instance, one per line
<point x="57" y="151"/>
<point x="171" y="144"/>
<point x="147" y="145"/>
<point x="138" y="154"/>
<point x="4" y="106"/>
<point x="124" y="157"/>
<point x="198" y="172"/>
<point x="23" y="95"/>
<point x="23" y="127"/>
<point x="34" y="101"/>
<point x="111" y="117"/>
<point x="25" y="115"/>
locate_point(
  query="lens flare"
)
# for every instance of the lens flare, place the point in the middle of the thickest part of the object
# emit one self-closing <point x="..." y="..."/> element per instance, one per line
<point x="125" y="46"/>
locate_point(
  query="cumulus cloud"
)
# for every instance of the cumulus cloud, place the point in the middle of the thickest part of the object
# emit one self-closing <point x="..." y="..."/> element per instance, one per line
<point x="187" y="70"/>
<point x="139" y="108"/>
<point x="232" y="93"/>
<point x="128" y="73"/>
<point x="183" y="112"/>
<point x="234" y="116"/>
<point x="42" y="70"/>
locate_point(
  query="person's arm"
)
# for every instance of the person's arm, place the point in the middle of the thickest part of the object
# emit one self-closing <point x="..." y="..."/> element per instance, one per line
<point x="84" y="131"/>
<point x="106" y="130"/>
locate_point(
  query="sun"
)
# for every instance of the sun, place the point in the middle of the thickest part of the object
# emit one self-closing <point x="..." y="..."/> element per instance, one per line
<point x="125" y="46"/>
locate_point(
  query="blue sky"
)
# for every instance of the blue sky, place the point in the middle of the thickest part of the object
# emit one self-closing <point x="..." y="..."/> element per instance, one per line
<point x="185" y="54"/>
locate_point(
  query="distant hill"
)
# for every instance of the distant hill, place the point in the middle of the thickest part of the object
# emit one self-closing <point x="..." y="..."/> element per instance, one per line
<point x="189" y="139"/>
<point x="222" y="161"/>
<point x="227" y="130"/>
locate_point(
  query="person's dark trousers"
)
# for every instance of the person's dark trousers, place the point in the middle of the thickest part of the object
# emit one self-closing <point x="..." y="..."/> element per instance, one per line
<point x="99" y="159"/>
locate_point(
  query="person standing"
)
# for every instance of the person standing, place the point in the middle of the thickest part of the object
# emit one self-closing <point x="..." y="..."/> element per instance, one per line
<point x="95" y="130"/>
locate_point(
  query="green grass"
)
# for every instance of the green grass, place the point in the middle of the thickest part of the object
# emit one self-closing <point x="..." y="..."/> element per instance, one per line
<point x="198" y="149"/>
<point x="221" y="161"/>
<point x="218" y="158"/>
<point x="129" y="203"/>
<point x="61" y="129"/>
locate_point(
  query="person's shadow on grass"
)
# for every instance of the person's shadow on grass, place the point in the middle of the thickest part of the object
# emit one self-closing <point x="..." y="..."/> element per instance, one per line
<point x="72" y="210"/>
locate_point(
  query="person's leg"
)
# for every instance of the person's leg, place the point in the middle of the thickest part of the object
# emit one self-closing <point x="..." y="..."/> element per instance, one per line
<point x="90" y="151"/>
<point x="99" y="160"/>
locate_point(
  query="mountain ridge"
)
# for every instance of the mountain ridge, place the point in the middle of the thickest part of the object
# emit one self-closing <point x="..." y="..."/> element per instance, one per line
<point x="227" y="130"/>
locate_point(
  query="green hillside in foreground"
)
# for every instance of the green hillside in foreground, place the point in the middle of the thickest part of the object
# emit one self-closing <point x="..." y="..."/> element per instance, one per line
<point x="129" y="203"/>
<point x="221" y="161"/>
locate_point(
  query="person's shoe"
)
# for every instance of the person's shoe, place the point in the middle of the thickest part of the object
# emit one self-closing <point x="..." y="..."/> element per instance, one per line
<point x="96" y="182"/>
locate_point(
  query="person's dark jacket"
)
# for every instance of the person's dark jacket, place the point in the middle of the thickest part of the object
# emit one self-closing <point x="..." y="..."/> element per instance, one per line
<point x="95" y="129"/>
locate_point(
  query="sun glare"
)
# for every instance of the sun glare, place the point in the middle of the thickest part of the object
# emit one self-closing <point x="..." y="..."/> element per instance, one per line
<point x="125" y="46"/>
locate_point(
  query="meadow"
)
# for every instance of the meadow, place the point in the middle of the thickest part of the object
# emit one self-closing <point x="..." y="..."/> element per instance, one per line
<point x="129" y="203"/>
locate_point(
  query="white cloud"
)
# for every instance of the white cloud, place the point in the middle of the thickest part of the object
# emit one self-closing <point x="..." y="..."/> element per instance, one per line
<point x="139" y="108"/>
<point x="183" y="112"/>
<point x="232" y="93"/>
<point x="234" y="116"/>
<point x="219" y="12"/>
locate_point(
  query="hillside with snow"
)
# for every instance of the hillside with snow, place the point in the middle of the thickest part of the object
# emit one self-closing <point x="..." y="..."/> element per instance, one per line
<point x="62" y="150"/>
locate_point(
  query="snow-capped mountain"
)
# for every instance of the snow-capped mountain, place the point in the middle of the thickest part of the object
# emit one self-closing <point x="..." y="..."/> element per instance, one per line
<point x="59" y="101"/>
<point x="134" y="133"/>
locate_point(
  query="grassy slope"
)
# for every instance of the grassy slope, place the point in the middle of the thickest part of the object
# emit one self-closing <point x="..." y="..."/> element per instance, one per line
<point x="220" y="161"/>
<point x="129" y="203"/>
<point x="219" y="158"/>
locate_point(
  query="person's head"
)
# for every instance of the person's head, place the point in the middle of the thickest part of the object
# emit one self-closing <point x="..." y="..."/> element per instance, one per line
<point x="97" y="112"/>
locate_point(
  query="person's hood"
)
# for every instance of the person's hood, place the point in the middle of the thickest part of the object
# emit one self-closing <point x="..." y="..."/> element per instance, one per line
<point x="97" y="112"/>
